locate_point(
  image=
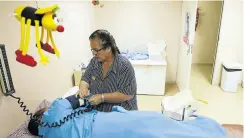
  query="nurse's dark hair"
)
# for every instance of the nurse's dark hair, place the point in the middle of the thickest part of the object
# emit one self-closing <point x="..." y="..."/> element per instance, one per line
<point x="35" y="121"/>
<point x="107" y="40"/>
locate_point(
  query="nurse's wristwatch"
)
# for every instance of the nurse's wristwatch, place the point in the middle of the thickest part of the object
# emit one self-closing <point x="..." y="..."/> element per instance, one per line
<point x="102" y="98"/>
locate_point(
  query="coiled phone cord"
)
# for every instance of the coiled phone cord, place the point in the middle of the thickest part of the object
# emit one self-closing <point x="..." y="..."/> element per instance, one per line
<point x="27" y="111"/>
<point x="55" y="124"/>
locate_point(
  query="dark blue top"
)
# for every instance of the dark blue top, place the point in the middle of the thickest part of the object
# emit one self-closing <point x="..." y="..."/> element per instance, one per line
<point x="120" y="78"/>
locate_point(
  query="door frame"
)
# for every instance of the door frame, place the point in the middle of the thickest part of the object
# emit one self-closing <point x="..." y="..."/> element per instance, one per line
<point x="217" y="43"/>
<point x="189" y="47"/>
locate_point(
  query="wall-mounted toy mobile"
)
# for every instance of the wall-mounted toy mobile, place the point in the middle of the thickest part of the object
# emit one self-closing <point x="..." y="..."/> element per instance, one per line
<point x="97" y="2"/>
<point x="47" y="19"/>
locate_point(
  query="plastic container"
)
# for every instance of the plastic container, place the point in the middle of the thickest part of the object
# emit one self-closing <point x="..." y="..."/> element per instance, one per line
<point x="231" y="75"/>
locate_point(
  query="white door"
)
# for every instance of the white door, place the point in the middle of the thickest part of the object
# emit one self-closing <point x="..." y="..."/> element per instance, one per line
<point x="189" y="10"/>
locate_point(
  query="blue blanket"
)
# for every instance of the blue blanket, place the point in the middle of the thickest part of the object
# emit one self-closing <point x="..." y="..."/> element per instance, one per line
<point x="77" y="127"/>
<point x="121" y="123"/>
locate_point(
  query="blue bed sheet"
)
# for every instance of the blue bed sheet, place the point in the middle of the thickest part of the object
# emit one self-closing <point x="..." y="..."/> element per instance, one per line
<point x="147" y="124"/>
<point x="121" y="123"/>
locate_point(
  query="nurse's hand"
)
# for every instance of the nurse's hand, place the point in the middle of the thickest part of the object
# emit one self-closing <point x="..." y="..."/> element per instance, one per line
<point x="83" y="93"/>
<point x="95" y="99"/>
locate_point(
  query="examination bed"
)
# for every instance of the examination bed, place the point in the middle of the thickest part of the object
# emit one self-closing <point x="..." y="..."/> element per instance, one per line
<point x="233" y="131"/>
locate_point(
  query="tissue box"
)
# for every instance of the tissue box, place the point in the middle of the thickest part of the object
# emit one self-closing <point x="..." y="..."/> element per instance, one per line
<point x="176" y="115"/>
<point x="171" y="112"/>
<point x="176" y="106"/>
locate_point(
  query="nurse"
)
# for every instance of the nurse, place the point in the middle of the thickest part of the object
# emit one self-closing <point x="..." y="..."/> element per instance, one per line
<point x="109" y="76"/>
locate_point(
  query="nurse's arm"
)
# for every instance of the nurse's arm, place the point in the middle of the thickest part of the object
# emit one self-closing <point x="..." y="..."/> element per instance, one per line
<point x="116" y="97"/>
<point x="83" y="85"/>
<point x="85" y="80"/>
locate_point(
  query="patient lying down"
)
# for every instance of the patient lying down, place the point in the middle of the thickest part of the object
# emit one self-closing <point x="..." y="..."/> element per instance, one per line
<point x="119" y="123"/>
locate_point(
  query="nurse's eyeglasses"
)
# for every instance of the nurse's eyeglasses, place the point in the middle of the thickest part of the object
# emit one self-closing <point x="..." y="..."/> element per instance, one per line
<point x="95" y="51"/>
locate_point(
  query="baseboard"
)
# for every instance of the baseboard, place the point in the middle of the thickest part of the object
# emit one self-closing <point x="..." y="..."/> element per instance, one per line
<point x="241" y="83"/>
<point x="170" y="82"/>
<point x="216" y="84"/>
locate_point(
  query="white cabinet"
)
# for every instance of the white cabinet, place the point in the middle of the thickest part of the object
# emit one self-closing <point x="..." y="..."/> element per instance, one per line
<point x="150" y="76"/>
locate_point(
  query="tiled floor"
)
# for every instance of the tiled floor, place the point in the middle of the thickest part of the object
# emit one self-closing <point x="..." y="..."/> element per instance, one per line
<point x="222" y="106"/>
<point x="153" y="103"/>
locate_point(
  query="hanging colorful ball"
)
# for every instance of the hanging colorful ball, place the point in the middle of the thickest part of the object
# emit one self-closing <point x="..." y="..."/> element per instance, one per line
<point x="101" y="5"/>
<point x="94" y="2"/>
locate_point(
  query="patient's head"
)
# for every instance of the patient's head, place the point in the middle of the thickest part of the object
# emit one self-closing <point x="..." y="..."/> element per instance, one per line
<point x="35" y="121"/>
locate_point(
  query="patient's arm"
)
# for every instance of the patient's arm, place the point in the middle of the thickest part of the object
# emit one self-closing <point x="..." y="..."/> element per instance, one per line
<point x="76" y="101"/>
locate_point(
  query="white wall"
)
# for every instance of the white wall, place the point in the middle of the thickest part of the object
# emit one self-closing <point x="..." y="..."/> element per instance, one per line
<point x="230" y="46"/>
<point x="43" y="82"/>
<point x="137" y="23"/>
<point x="207" y="32"/>
<point x="242" y="51"/>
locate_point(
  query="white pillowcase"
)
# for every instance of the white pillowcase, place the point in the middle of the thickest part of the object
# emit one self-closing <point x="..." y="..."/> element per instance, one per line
<point x="71" y="91"/>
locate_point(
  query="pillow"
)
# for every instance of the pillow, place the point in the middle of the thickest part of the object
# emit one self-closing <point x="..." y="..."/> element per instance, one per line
<point x="71" y="91"/>
<point x="22" y="131"/>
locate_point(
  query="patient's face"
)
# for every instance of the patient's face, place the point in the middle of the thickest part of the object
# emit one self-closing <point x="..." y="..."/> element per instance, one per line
<point x="97" y="50"/>
<point x="34" y="122"/>
<point x="40" y="112"/>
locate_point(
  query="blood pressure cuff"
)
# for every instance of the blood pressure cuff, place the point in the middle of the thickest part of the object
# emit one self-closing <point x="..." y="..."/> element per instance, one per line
<point x="74" y="101"/>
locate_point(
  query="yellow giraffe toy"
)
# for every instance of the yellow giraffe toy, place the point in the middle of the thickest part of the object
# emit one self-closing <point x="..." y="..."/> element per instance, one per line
<point x="45" y="18"/>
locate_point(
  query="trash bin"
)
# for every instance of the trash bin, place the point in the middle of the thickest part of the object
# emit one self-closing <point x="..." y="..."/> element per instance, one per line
<point x="231" y="74"/>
